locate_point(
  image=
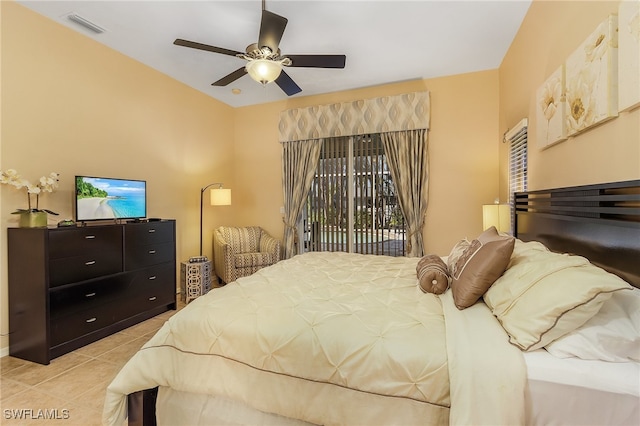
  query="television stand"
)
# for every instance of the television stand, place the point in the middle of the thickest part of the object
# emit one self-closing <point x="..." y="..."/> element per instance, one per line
<point x="70" y="286"/>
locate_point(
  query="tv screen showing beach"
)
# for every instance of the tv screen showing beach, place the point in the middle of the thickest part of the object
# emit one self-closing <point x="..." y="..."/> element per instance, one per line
<point x="106" y="198"/>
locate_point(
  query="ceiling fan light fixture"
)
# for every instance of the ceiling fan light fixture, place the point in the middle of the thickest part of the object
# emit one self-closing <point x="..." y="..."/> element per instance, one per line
<point x="264" y="70"/>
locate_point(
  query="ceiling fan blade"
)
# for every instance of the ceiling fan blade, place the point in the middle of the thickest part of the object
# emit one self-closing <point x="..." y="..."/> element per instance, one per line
<point x="195" y="45"/>
<point x="317" y="61"/>
<point x="229" y="78"/>
<point x="271" y="29"/>
<point x="287" y="85"/>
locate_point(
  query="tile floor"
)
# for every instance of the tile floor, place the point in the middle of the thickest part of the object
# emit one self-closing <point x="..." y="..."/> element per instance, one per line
<point x="72" y="387"/>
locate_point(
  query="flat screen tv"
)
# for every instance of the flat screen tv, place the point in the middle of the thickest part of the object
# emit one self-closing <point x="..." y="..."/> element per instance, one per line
<point x="99" y="198"/>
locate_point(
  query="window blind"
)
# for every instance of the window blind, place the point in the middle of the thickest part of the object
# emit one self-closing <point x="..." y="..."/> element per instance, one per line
<point x="518" y="164"/>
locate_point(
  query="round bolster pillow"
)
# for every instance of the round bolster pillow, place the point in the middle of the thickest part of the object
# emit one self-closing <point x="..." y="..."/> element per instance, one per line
<point x="433" y="276"/>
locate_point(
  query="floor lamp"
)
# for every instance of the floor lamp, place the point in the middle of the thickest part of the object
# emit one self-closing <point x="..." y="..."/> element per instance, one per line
<point x="219" y="197"/>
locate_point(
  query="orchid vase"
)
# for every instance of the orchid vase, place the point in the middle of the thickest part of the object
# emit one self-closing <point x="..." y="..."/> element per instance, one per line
<point x="33" y="219"/>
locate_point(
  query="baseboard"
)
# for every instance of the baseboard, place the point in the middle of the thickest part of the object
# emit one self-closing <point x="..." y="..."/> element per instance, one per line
<point x="4" y="352"/>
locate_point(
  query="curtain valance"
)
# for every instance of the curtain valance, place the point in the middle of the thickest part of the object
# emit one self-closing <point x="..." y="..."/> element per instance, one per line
<point x="409" y="111"/>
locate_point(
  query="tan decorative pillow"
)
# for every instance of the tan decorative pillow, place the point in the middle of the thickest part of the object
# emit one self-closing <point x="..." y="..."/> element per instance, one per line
<point x="544" y="295"/>
<point x="433" y="275"/>
<point x="480" y="265"/>
<point x="455" y="254"/>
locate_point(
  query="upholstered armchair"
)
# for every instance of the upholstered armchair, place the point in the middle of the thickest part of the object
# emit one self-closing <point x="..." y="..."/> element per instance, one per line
<point x="238" y="252"/>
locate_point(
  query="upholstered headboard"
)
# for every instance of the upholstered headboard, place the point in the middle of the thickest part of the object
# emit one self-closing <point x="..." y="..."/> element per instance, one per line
<point x="600" y="222"/>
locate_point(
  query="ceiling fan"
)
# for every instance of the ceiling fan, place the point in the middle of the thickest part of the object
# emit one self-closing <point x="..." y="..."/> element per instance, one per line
<point x="264" y="60"/>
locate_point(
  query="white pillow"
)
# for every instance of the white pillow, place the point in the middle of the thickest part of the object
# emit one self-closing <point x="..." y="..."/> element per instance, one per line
<point x="542" y="295"/>
<point x="613" y="334"/>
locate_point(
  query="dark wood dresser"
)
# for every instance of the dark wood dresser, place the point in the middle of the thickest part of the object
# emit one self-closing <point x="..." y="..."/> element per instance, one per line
<point x="71" y="286"/>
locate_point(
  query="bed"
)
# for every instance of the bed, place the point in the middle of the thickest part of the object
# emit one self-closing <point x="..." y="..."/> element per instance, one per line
<point x="337" y="338"/>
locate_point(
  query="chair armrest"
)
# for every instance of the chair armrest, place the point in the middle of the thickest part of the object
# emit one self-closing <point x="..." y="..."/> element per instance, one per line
<point x="222" y="256"/>
<point x="270" y="244"/>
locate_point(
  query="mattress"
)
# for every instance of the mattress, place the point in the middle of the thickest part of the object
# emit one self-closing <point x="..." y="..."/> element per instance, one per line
<point x="572" y="391"/>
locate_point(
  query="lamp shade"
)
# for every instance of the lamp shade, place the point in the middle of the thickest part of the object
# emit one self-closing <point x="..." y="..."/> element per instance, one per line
<point x="220" y="197"/>
<point x="498" y="215"/>
<point x="263" y="70"/>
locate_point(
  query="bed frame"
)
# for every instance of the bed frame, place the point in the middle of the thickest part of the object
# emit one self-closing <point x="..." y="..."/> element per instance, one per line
<point x="600" y="222"/>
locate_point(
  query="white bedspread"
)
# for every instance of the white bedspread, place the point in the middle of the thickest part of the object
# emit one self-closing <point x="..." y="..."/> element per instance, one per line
<point x="329" y="338"/>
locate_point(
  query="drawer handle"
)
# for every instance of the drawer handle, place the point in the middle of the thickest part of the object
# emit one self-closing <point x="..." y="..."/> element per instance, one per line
<point x="151" y="231"/>
<point x="90" y="237"/>
<point x="152" y="252"/>
<point x="91" y="320"/>
<point x="89" y="295"/>
<point x="152" y="277"/>
<point x="90" y="262"/>
<point x="152" y="298"/>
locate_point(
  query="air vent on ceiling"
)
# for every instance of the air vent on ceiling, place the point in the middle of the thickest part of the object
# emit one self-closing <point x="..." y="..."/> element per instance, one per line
<point x="85" y="23"/>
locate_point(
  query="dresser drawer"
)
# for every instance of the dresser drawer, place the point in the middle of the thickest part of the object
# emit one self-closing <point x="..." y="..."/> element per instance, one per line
<point x="147" y="233"/>
<point x="152" y="281"/>
<point x="91" y="264"/>
<point x="68" y="300"/>
<point x="149" y="288"/>
<point x="144" y="256"/>
<point x="64" y="329"/>
<point x="76" y="241"/>
<point x="154" y="297"/>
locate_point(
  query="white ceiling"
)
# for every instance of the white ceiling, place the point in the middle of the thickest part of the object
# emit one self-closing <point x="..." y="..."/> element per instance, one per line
<point x="384" y="41"/>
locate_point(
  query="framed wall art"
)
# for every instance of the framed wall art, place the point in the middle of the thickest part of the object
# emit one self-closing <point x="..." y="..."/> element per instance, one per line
<point x="550" y="107"/>
<point x="591" y="94"/>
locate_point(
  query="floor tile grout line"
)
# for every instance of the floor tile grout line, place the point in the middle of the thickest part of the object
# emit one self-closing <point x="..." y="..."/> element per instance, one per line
<point x="140" y="332"/>
<point x="56" y="376"/>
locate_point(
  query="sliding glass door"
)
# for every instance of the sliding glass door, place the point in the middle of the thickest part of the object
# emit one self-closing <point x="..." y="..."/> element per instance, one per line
<point x="352" y="205"/>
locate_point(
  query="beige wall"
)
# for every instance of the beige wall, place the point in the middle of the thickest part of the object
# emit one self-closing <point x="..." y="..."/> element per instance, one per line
<point x="610" y="152"/>
<point x="74" y="106"/>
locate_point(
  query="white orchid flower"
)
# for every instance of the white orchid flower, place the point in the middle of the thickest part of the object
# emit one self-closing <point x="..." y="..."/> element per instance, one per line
<point x="45" y="184"/>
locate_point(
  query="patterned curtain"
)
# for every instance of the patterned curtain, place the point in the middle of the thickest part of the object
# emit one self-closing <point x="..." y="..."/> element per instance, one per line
<point x="407" y="111"/>
<point x="299" y="163"/>
<point x="301" y="132"/>
<point x="408" y="159"/>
